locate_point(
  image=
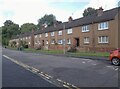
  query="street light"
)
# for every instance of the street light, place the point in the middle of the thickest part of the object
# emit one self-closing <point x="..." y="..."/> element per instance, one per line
<point x="64" y="40"/>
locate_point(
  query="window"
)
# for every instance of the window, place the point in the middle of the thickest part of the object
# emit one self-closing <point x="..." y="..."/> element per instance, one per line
<point x="47" y="42"/>
<point x="86" y="40"/>
<point x="39" y="42"/>
<point x="53" y="41"/>
<point x="85" y="28"/>
<point x="103" y="39"/>
<point x="29" y="37"/>
<point x="68" y="41"/>
<point x="60" y="41"/>
<point x="52" y="33"/>
<point x="46" y="34"/>
<point x="103" y="26"/>
<point x="59" y="32"/>
<point x="26" y="38"/>
<point x="69" y="31"/>
<point x="35" y="36"/>
<point x="40" y="35"/>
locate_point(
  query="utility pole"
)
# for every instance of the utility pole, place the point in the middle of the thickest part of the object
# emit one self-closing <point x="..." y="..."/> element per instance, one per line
<point x="64" y="40"/>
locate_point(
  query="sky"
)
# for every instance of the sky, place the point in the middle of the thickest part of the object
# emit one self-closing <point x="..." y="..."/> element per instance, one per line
<point x="29" y="11"/>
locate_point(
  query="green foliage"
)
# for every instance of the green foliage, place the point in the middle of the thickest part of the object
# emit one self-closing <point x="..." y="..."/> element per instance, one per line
<point x="9" y="30"/>
<point x="0" y="34"/>
<point x="46" y="19"/>
<point x="89" y="11"/>
<point x="23" y="44"/>
<point x="13" y="44"/>
<point x="27" y="27"/>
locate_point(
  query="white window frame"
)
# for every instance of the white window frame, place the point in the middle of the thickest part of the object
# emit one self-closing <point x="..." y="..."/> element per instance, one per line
<point x="85" y="28"/>
<point x="46" y="34"/>
<point x="53" y="41"/>
<point x="103" y="39"/>
<point x="46" y="41"/>
<point x="68" y="41"/>
<point x="103" y="26"/>
<point x="60" y="41"/>
<point x="40" y="35"/>
<point x="52" y="33"/>
<point x="59" y="33"/>
<point x="86" y="40"/>
<point x="35" y="36"/>
<point x="69" y="31"/>
<point x="29" y="37"/>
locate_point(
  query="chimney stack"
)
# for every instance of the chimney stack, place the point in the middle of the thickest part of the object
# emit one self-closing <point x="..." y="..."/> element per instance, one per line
<point x="100" y="11"/>
<point x="43" y="26"/>
<point x="70" y="19"/>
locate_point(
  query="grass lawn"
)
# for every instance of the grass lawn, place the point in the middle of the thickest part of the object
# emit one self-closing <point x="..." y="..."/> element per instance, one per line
<point x="96" y="54"/>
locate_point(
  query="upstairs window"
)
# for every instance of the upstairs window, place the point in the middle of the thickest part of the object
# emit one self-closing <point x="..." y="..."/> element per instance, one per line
<point x="59" y="32"/>
<point x="85" y="28"/>
<point x="52" y="33"/>
<point x="103" y="26"/>
<point x="40" y="35"/>
<point x="35" y="36"/>
<point x="46" y="34"/>
<point x="103" y="39"/>
<point x="69" y="31"/>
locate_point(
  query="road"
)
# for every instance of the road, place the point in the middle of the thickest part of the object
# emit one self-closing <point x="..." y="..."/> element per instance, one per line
<point x="16" y="76"/>
<point x="77" y="71"/>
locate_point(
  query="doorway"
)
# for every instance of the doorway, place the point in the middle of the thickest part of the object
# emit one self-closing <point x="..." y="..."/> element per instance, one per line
<point x="42" y="42"/>
<point x="77" y="42"/>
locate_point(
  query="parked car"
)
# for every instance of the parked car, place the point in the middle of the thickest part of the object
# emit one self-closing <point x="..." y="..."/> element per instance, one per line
<point x="115" y="57"/>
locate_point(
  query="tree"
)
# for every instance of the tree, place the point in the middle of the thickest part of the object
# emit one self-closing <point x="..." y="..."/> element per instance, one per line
<point x="46" y="19"/>
<point x="27" y="27"/>
<point x="9" y="30"/>
<point x="89" y="11"/>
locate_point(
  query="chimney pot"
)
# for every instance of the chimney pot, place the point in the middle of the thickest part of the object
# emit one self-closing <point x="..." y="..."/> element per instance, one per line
<point x="70" y="19"/>
<point x="100" y="11"/>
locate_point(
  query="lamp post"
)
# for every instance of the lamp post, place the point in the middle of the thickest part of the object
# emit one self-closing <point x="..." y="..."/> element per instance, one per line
<point x="64" y="40"/>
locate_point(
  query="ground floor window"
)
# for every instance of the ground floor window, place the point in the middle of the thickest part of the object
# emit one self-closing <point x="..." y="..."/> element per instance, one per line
<point x="86" y="40"/>
<point x="68" y="41"/>
<point x="60" y="41"/>
<point x="53" y="41"/>
<point x="103" y="39"/>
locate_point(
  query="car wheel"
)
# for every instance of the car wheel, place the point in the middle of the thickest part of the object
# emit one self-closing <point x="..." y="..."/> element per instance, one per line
<point x="116" y="61"/>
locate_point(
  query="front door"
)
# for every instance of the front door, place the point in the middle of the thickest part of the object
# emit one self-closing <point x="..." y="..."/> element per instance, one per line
<point x="76" y="43"/>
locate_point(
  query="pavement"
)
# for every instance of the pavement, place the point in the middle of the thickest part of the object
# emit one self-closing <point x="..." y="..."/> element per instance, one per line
<point x="80" y="72"/>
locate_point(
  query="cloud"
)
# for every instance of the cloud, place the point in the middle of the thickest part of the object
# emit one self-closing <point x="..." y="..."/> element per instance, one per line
<point x="23" y="11"/>
<point x="96" y="4"/>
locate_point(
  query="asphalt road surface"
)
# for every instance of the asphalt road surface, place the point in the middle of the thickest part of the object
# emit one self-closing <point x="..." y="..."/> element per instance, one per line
<point x="77" y="71"/>
<point x="16" y="76"/>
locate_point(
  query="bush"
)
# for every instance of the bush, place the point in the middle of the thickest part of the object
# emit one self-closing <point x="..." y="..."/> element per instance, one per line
<point x="72" y="49"/>
<point x="25" y="46"/>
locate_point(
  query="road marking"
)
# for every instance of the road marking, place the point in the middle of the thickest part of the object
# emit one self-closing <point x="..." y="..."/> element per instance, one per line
<point x="94" y="64"/>
<point x="44" y="75"/>
<point x="83" y="62"/>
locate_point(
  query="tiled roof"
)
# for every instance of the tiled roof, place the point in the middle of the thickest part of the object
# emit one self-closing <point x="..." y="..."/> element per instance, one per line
<point x="106" y="16"/>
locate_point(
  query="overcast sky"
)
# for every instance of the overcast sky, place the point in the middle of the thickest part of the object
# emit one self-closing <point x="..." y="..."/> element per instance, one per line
<point x="24" y="11"/>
